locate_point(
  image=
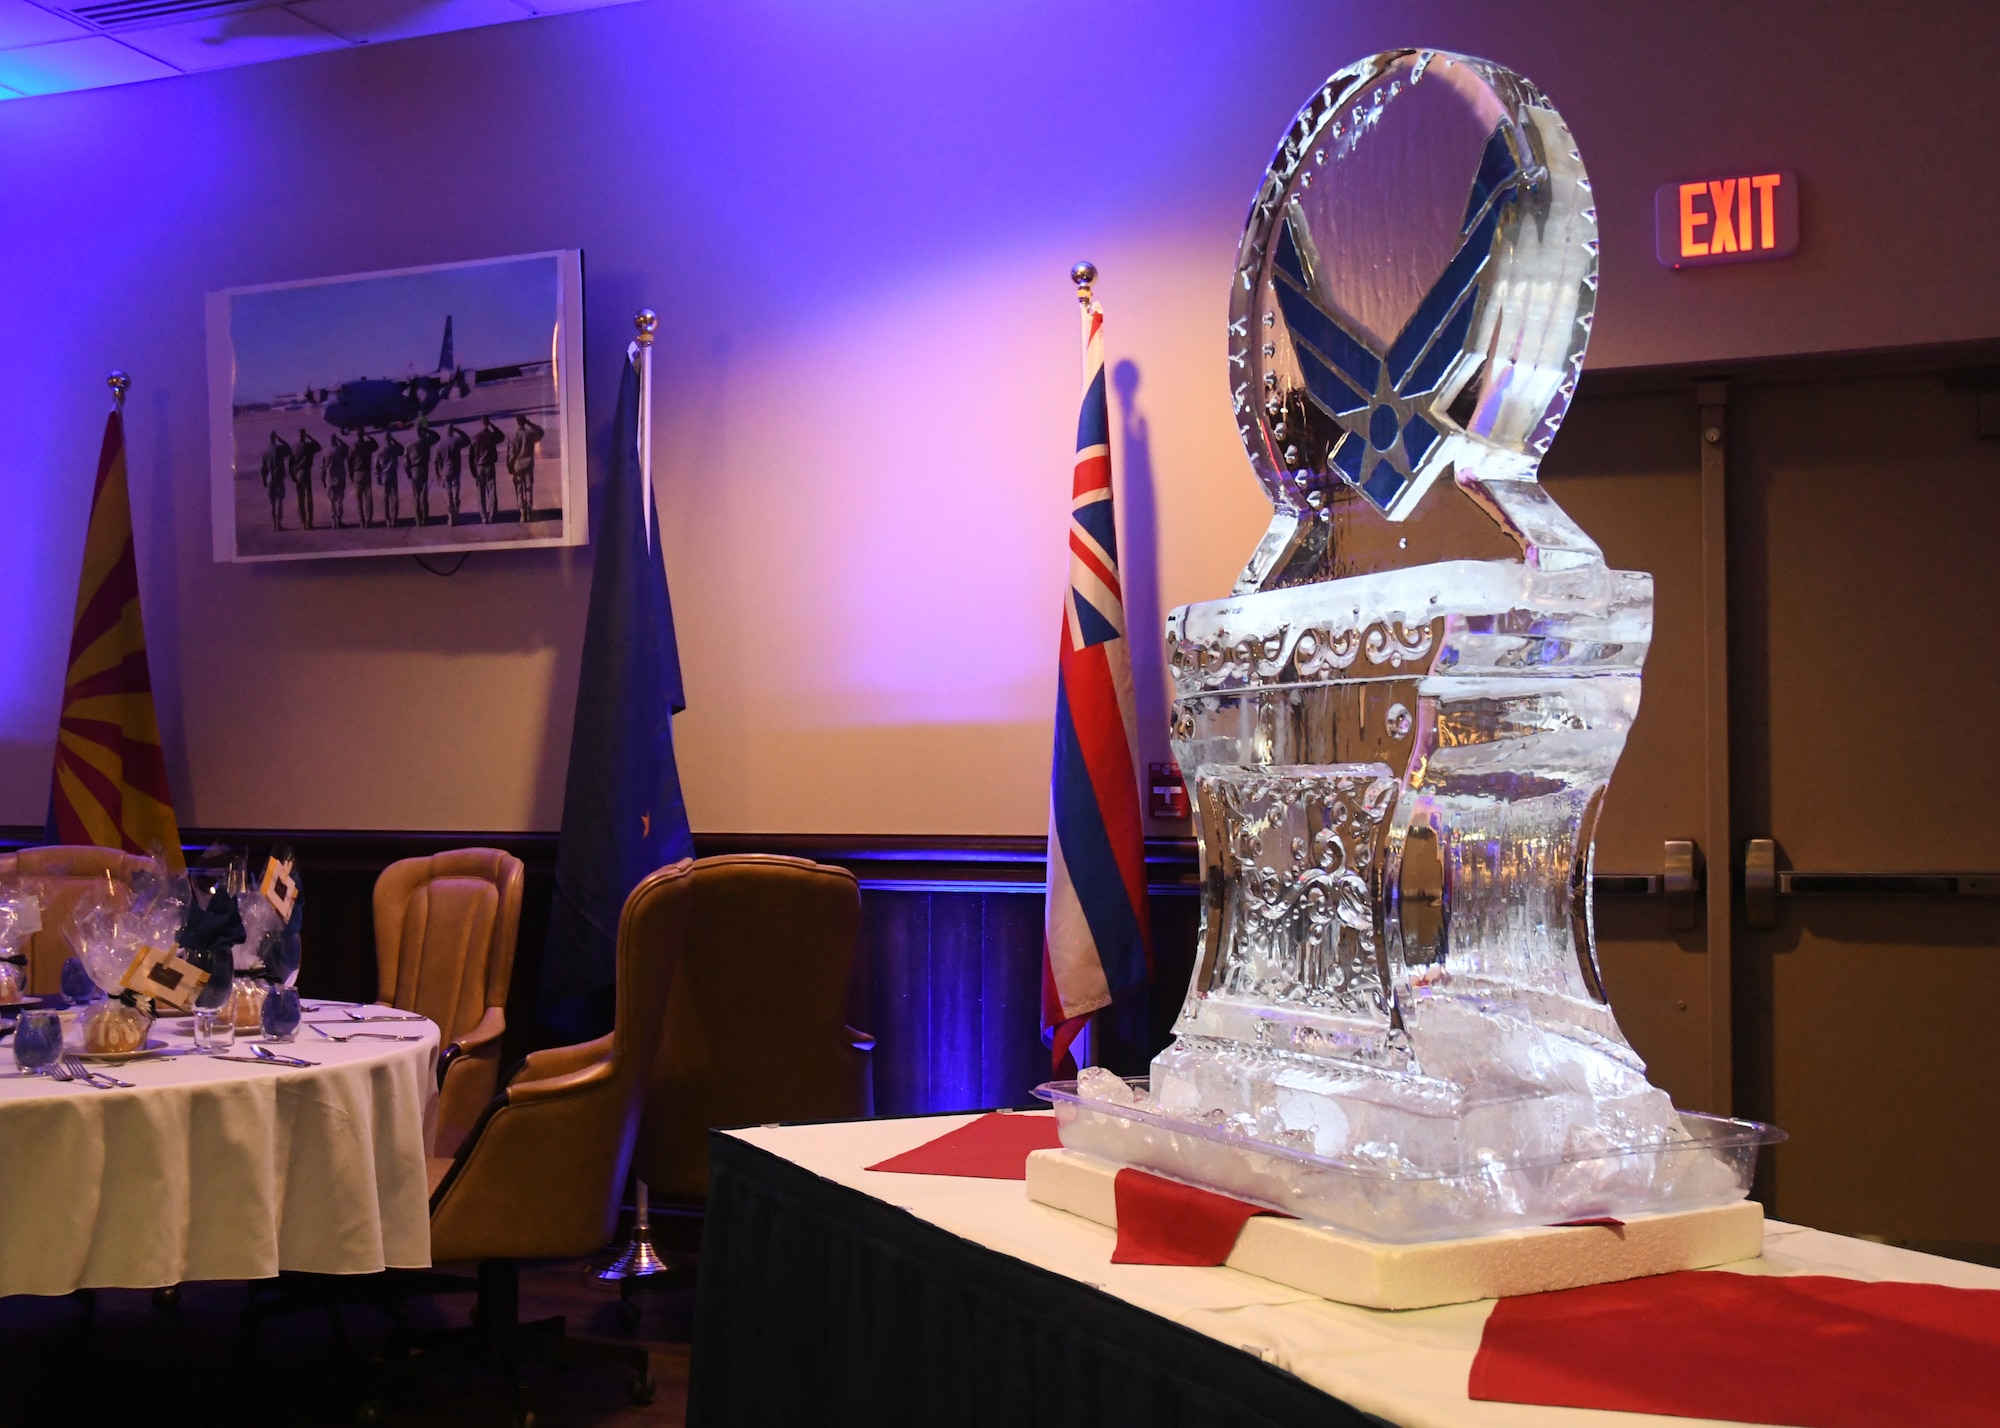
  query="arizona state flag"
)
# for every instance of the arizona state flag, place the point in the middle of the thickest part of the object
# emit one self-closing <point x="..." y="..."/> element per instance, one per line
<point x="110" y="785"/>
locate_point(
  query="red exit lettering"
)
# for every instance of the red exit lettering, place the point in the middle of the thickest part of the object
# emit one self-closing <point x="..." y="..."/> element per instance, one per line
<point x="1740" y="219"/>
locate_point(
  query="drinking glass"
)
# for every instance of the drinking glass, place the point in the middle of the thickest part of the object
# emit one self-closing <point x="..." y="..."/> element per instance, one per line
<point x="214" y="1029"/>
<point x="280" y="1015"/>
<point x="38" y="1040"/>
<point x="214" y="1023"/>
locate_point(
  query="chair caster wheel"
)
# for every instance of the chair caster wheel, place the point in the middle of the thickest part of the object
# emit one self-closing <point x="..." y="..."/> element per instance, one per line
<point x="167" y="1299"/>
<point x="640" y="1390"/>
<point x="628" y="1314"/>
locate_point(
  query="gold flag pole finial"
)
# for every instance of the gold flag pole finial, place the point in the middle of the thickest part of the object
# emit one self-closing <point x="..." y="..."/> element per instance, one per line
<point x="647" y="321"/>
<point x="1083" y="275"/>
<point x="120" y="384"/>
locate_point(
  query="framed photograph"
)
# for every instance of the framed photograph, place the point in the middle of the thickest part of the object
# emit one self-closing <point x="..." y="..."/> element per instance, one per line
<point x="394" y="413"/>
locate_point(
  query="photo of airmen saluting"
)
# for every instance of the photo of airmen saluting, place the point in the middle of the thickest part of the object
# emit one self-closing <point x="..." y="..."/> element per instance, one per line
<point x="335" y="475"/>
<point x="335" y="396"/>
<point x="451" y="459"/>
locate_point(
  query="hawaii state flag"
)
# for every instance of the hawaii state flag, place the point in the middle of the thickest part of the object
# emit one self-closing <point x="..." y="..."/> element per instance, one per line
<point x="1097" y="938"/>
<point x="110" y="784"/>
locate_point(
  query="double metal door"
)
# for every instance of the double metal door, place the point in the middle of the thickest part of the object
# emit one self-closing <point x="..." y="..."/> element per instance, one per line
<point x="1816" y="725"/>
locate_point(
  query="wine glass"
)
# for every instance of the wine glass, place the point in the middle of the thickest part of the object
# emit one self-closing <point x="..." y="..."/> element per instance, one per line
<point x="214" y="1023"/>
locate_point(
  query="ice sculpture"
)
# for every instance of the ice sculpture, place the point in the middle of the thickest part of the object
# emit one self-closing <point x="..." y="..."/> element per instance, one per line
<point x="1398" y="730"/>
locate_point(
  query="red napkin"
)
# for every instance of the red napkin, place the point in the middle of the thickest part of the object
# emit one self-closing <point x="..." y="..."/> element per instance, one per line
<point x="1811" y="1351"/>
<point x="994" y="1147"/>
<point x="1165" y="1222"/>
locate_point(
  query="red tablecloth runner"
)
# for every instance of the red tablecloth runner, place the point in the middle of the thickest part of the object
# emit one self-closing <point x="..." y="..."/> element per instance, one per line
<point x="1159" y="1221"/>
<point x="994" y="1147"/>
<point x="1165" y="1222"/>
<point x="1809" y="1350"/>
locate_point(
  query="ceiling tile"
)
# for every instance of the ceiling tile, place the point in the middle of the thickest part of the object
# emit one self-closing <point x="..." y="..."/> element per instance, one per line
<point x="24" y="24"/>
<point x="376" y="20"/>
<point x="246" y="37"/>
<point x="76" y="64"/>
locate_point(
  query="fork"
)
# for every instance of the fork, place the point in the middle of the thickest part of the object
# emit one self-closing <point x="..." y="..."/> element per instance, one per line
<point x="362" y="1035"/>
<point x="62" y="1071"/>
<point x="104" y="1081"/>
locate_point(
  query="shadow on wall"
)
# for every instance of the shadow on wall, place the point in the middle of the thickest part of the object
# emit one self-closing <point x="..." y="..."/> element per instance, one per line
<point x="25" y="771"/>
<point x="1139" y="567"/>
<point x="162" y="596"/>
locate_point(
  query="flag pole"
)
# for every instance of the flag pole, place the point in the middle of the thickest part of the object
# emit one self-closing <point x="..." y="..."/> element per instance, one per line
<point x="1084" y="275"/>
<point x="648" y="322"/>
<point x="640" y="1259"/>
<point x="120" y="384"/>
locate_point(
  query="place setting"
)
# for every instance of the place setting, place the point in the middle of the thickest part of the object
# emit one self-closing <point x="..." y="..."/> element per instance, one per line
<point x="194" y="969"/>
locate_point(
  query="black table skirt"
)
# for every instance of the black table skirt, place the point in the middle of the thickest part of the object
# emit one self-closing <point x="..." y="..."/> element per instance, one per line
<point x="820" y="1305"/>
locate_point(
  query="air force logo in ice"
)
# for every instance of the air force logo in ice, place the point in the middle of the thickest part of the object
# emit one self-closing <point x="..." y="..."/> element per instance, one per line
<point x="1383" y="401"/>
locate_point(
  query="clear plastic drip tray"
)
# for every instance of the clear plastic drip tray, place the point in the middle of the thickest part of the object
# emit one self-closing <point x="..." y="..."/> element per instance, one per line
<point x="1709" y="1166"/>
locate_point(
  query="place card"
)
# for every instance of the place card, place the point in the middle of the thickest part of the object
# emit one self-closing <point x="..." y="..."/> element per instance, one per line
<point x="159" y="973"/>
<point x="278" y="887"/>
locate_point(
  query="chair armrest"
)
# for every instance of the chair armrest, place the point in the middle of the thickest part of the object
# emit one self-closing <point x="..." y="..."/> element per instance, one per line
<point x="544" y="1077"/>
<point x="492" y="1026"/>
<point x="539" y="1174"/>
<point x="561" y="1060"/>
<point x="859" y="1040"/>
<point x="548" y="1088"/>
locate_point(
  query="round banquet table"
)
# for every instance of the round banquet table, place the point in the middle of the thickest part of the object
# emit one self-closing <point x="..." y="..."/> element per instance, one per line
<point x="211" y="1169"/>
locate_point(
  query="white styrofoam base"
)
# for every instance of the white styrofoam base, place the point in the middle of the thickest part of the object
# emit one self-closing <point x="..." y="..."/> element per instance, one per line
<point x="1421" y="1276"/>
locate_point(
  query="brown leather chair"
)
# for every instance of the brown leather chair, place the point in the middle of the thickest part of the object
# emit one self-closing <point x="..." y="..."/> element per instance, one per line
<point x="541" y="1173"/>
<point x="445" y="928"/>
<point x="61" y="875"/>
<point x="755" y="1030"/>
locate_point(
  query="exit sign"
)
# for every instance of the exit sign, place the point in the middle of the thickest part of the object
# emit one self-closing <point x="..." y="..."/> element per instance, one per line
<point x="1743" y="218"/>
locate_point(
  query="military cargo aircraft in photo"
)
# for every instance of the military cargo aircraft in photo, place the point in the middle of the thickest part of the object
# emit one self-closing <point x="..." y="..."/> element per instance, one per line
<point x="389" y="401"/>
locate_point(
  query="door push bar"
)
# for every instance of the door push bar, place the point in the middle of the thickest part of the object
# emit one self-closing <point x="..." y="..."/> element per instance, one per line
<point x="1764" y="884"/>
<point x="1679" y="882"/>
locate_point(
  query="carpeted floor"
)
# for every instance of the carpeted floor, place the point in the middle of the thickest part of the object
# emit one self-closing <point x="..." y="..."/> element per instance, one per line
<point x="130" y="1363"/>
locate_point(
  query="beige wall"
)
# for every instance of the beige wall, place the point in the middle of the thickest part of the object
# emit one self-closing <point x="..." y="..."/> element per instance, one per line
<point x="855" y="222"/>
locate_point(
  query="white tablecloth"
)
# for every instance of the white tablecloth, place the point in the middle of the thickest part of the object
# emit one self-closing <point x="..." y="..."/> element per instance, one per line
<point x="218" y="1170"/>
<point x="1409" y="1367"/>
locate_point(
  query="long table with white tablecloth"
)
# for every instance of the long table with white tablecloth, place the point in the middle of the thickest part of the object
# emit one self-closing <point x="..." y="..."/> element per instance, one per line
<point x="833" y="1294"/>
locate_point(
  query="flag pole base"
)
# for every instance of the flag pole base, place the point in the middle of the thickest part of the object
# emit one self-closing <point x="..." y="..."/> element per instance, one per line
<point x="640" y="1258"/>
